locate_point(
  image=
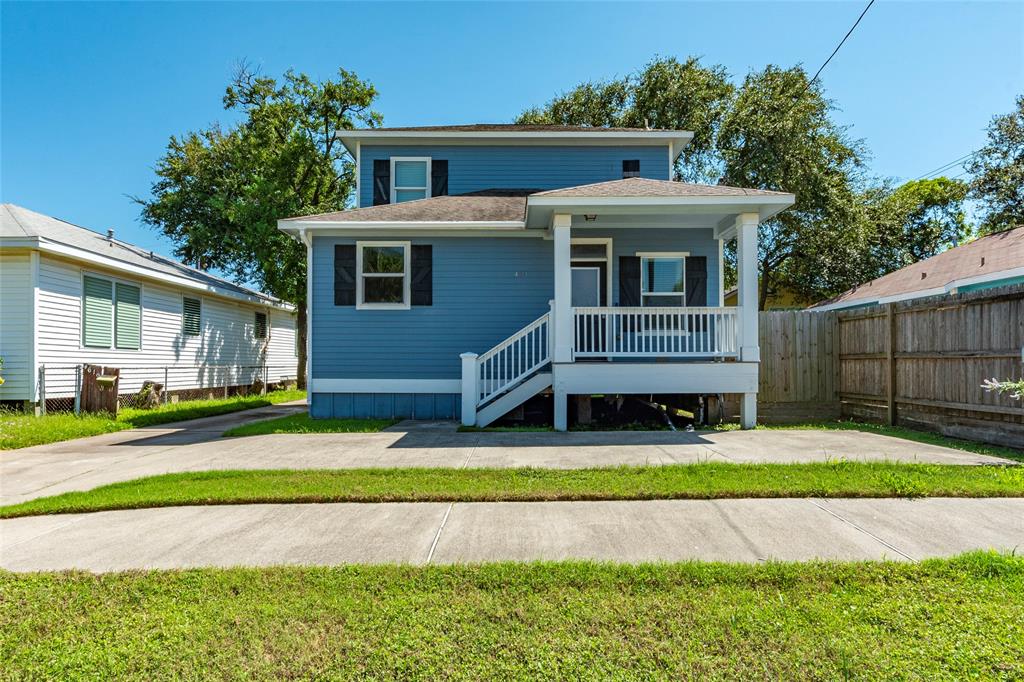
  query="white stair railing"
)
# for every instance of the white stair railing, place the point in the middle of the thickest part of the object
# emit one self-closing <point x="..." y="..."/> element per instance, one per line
<point x="655" y="332"/>
<point x="503" y="367"/>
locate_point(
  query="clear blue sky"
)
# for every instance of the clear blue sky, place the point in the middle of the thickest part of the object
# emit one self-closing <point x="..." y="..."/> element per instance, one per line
<point x="91" y="92"/>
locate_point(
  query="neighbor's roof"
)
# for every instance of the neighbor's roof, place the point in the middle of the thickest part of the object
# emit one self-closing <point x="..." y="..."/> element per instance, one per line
<point x="511" y="205"/>
<point x="646" y="187"/>
<point x="985" y="259"/>
<point x="18" y="224"/>
<point x="506" y="205"/>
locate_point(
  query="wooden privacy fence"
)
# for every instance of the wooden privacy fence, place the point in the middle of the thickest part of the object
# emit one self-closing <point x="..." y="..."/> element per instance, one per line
<point x="921" y="363"/>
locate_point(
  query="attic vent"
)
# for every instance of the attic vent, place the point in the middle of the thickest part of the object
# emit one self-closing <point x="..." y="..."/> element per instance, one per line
<point x="110" y="234"/>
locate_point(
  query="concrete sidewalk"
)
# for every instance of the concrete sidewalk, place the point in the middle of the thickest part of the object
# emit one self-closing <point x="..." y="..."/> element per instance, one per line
<point x="196" y="446"/>
<point x="419" y="533"/>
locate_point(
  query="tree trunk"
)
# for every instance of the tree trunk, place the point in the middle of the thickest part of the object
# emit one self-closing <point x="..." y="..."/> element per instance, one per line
<point x="762" y="290"/>
<point x="301" y="330"/>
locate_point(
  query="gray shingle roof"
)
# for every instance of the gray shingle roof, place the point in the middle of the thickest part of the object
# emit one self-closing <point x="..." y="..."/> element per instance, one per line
<point x="984" y="256"/>
<point x="645" y="187"/>
<point x="17" y="223"/>
<point x="486" y="205"/>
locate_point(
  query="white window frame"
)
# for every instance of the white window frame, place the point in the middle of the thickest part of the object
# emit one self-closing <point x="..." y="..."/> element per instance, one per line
<point x="114" y="281"/>
<point x="407" y="284"/>
<point x="394" y="185"/>
<point x="683" y="255"/>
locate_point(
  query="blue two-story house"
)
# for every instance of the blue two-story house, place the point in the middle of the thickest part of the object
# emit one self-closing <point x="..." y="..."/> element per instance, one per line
<point x="485" y="264"/>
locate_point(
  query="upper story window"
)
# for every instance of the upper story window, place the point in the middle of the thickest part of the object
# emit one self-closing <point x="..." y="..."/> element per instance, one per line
<point x="663" y="279"/>
<point x="383" y="275"/>
<point x="631" y="168"/>
<point x="410" y="178"/>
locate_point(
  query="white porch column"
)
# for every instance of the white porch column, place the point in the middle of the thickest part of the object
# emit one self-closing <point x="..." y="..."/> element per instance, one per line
<point x="470" y="388"/>
<point x="563" y="289"/>
<point x="746" y="276"/>
<point x="561" y="311"/>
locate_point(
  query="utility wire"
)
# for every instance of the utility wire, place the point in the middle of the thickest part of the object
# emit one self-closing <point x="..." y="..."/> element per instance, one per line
<point x="808" y="84"/>
<point x="946" y="166"/>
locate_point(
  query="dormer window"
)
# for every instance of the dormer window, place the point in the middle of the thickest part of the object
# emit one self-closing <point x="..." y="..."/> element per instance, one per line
<point x="410" y="178"/>
<point x="631" y="168"/>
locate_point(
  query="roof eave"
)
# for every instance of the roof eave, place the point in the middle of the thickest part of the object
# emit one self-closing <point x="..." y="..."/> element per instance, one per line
<point x="677" y="140"/>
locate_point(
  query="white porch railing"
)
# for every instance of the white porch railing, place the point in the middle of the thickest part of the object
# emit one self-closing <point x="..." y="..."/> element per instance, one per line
<point x="655" y="332"/>
<point x="514" y="359"/>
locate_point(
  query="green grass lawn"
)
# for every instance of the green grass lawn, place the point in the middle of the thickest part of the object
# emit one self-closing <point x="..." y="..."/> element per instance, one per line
<point x="958" y="618"/>
<point x="682" y="481"/>
<point x="302" y="423"/>
<point x="20" y="430"/>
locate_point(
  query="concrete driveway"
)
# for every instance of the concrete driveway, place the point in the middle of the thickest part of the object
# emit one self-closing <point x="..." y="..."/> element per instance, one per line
<point x="197" y="446"/>
<point x="421" y="533"/>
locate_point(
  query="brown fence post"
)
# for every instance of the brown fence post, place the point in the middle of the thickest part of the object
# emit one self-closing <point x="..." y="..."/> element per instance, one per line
<point x="890" y="356"/>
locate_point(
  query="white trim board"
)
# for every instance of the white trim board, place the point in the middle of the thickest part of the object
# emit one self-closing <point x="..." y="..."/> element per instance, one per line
<point x="385" y="386"/>
<point x="656" y="377"/>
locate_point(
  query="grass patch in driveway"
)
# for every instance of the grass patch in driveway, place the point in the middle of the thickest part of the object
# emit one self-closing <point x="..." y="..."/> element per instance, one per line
<point x="21" y="430"/>
<point x="302" y="423"/>
<point x="956" y="618"/>
<point x="679" y="481"/>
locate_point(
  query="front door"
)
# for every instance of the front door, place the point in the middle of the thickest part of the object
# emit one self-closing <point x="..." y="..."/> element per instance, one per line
<point x="587" y="289"/>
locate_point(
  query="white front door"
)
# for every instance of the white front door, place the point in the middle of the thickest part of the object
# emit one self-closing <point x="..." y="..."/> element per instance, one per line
<point x="586" y="286"/>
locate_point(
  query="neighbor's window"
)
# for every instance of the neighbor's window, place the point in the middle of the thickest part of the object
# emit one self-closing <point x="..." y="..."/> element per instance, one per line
<point x="631" y="168"/>
<point x="261" y="325"/>
<point x="383" y="274"/>
<point x="410" y="179"/>
<point x="191" y="314"/>
<point x="662" y="280"/>
<point x="111" y="314"/>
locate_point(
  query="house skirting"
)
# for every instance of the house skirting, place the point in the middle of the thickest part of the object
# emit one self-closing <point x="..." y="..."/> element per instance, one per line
<point x="385" y="405"/>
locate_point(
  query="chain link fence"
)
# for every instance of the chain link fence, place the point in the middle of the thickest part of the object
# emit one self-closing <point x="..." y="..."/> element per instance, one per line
<point x="145" y="387"/>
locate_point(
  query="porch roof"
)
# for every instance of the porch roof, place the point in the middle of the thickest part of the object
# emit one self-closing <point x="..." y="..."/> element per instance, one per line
<point x="649" y="201"/>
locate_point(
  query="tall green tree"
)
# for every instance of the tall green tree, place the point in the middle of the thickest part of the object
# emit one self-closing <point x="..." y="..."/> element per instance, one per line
<point x="997" y="172"/>
<point x="773" y="131"/>
<point x="219" y="193"/>
<point x="917" y="220"/>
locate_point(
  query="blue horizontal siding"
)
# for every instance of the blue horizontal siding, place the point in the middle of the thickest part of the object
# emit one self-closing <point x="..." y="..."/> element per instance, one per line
<point x="484" y="289"/>
<point x="472" y="168"/>
<point x="386" y="406"/>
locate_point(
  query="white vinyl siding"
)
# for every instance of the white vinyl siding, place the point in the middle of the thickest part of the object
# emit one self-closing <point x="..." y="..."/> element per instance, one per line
<point x="16" y="325"/>
<point x="227" y="330"/>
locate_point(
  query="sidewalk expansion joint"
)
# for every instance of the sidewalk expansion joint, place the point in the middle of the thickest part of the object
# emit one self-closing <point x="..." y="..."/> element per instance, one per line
<point x="863" y="530"/>
<point x="437" y="535"/>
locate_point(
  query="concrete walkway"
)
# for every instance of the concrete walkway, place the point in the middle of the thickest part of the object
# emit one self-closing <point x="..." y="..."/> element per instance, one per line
<point x="419" y="533"/>
<point x="197" y="446"/>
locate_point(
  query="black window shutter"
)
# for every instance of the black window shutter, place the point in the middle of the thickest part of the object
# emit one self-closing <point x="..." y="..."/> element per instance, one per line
<point x="696" y="288"/>
<point x="696" y="281"/>
<point x="629" y="281"/>
<point x="631" y="168"/>
<point x="438" y="178"/>
<point x="422" y="285"/>
<point x="381" y="181"/>
<point x="344" y="274"/>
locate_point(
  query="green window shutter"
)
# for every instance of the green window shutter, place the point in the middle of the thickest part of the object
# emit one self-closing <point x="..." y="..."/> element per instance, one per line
<point x="261" y="325"/>
<point x="127" y="317"/>
<point x="191" y="315"/>
<point x="97" y="314"/>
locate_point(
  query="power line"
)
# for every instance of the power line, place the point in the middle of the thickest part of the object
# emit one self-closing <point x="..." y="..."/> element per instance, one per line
<point x="946" y="166"/>
<point x="808" y="84"/>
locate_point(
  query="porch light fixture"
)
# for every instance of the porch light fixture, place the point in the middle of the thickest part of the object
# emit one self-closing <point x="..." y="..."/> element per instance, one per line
<point x="590" y="217"/>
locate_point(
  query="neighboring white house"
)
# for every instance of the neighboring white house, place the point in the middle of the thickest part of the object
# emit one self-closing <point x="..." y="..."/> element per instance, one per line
<point x="70" y="296"/>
